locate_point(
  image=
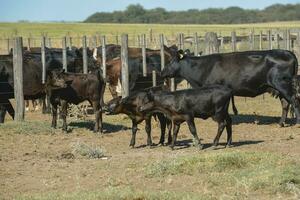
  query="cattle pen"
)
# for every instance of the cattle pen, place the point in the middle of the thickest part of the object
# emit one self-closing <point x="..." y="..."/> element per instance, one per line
<point x="208" y="43"/>
<point x="39" y="162"/>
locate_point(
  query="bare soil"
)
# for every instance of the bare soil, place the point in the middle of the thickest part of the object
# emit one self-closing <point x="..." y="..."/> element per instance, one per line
<point x="34" y="163"/>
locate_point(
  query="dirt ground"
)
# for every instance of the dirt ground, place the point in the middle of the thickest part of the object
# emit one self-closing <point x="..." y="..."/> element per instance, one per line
<point x="38" y="160"/>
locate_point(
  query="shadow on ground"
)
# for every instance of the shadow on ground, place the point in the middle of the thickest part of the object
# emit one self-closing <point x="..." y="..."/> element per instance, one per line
<point x="107" y="128"/>
<point x="258" y="119"/>
<point x="182" y="144"/>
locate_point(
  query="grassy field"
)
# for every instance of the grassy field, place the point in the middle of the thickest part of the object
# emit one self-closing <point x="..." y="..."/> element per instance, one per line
<point x="79" y="29"/>
<point x="56" y="31"/>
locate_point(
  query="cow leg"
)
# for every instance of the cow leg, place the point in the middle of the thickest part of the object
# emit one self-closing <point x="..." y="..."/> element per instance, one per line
<point x="169" y="124"/>
<point x="221" y="126"/>
<point x="2" y="113"/>
<point x="163" y="123"/>
<point x="235" y="111"/>
<point x="64" y="108"/>
<point x="44" y="105"/>
<point x="229" y="131"/>
<point x="54" y="115"/>
<point x="5" y="105"/>
<point x="148" y="130"/>
<point x="285" y="108"/>
<point x="26" y="105"/>
<point x="193" y="131"/>
<point x="286" y="92"/>
<point x="175" y="132"/>
<point x="134" y="130"/>
<point x="113" y="91"/>
<point x="98" y="117"/>
<point x="10" y="109"/>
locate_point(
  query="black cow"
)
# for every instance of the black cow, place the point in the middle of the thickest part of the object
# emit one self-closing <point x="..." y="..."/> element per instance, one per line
<point x="248" y="74"/>
<point x="32" y="80"/>
<point x="78" y="88"/>
<point x="185" y="105"/>
<point x="130" y="106"/>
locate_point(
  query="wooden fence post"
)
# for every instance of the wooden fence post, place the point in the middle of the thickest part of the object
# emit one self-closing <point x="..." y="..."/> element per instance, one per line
<point x="49" y="43"/>
<point x="64" y="53"/>
<point x="233" y="41"/>
<point x="18" y="78"/>
<point x="277" y="38"/>
<point x="8" y="45"/>
<point x="103" y="46"/>
<point x="69" y="42"/>
<point x="196" y="44"/>
<point x="28" y="43"/>
<point x="153" y="78"/>
<point x="211" y="43"/>
<point x="117" y="39"/>
<point x="162" y="51"/>
<point x="251" y="37"/>
<point x="124" y="61"/>
<point x="144" y="55"/>
<point x="84" y="55"/>
<point x="43" y="52"/>
<point x="288" y="38"/>
<point x="270" y="39"/>
<point x="260" y="40"/>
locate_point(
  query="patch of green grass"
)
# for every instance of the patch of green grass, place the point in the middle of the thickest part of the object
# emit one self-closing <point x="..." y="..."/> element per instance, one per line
<point x="256" y="171"/>
<point x="27" y="127"/>
<point x="125" y="193"/>
<point x="85" y="150"/>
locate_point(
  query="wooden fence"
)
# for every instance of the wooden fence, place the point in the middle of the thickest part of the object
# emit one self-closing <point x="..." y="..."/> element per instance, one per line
<point x="209" y="43"/>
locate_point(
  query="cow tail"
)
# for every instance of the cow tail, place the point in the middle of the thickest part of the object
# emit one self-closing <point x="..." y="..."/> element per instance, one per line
<point x="295" y="94"/>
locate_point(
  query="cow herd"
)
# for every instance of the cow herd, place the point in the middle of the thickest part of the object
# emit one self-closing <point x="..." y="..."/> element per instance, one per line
<point x="215" y="80"/>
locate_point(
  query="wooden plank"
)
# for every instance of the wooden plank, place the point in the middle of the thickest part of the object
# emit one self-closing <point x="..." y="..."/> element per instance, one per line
<point x="64" y="53"/>
<point x="270" y="46"/>
<point x="49" y="42"/>
<point x="154" y="83"/>
<point x="18" y="78"/>
<point x="288" y="40"/>
<point x="233" y="41"/>
<point x="277" y="38"/>
<point x="260" y="40"/>
<point x="43" y="52"/>
<point x="125" y="70"/>
<point x="162" y="51"/>
<point x="103" y="44"/>
<point x="28" y="43"/>
<point x="251" y="38"/>
<point x="84" y="55"/>
<point x="8" y="45"/>
<point x="196" y="44"/>
<point x="144" y="55"/>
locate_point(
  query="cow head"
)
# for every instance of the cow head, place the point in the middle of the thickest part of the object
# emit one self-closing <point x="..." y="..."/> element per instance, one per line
<point x="114" y="106"/>
<point x="172" y="69"/>
<point x="149" y="102"/>
<point x="55" y="79"/>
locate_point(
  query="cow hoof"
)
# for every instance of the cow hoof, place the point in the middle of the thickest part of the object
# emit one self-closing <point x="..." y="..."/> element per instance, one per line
<point x="281" y="124"/>
<point x="228" y="146"/>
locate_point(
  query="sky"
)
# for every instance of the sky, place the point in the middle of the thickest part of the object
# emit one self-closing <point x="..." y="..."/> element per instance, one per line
<point x="78" y="10"/>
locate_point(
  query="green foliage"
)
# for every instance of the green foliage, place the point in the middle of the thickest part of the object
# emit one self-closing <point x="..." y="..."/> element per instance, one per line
<point x="232" y="15"/>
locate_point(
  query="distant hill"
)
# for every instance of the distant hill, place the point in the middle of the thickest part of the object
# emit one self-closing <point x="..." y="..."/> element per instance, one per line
<point x="232" y="15"/>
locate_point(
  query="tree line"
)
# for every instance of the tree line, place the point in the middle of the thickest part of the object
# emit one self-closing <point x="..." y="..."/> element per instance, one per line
<point x="231" y="15"/>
